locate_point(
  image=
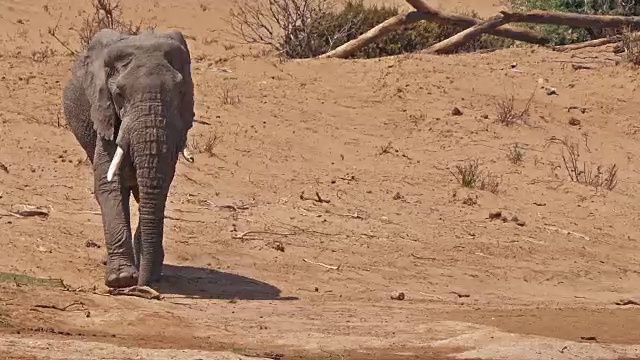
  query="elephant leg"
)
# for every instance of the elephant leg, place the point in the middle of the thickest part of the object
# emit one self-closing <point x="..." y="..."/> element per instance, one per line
<point x="113" y="198"/>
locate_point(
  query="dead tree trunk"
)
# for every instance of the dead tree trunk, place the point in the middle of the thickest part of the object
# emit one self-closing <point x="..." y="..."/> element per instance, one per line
<point x="494" y="26"/>
<point x="399" y="21"/>
<point x="395" y="23"/>
<point x="538" y="17"/>
<point x="467" y="35"/>
<point x="590" y="43"/>
<point x="513" y="33"/>
<point x="573" y="19"/>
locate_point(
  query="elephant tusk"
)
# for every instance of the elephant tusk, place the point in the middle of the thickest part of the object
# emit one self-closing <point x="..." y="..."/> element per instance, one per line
<point x="187" y="155"/>
<point x="115" y="163"/>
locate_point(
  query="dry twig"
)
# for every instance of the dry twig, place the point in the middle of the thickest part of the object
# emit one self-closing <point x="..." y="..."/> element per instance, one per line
<point x="323" y="265"/>
<point x="316" y="199"/>
<point x="21" y="211"/>
<point x="242" y="235"/>
<point x="63" y="308"/>
<point x="144" y="292"/>
<point x="181" y="219"/>
<point x="567" y="232"/>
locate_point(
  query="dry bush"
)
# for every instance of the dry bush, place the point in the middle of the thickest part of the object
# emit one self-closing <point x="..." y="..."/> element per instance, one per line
<point x="470" y="175"/>
<point x="631" y="46"/>
<point x="508" y="114"/>
<point x="516" y="155"/>
<point x="105" y="14"/>
<point x="228" y="96"/>
<point x="308" y="28"/>
<point x="207" y="146"/>
<point x="599" y="177"/>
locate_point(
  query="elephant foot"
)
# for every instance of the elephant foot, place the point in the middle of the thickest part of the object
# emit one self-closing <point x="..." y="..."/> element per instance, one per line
<point x="120" y="275"/>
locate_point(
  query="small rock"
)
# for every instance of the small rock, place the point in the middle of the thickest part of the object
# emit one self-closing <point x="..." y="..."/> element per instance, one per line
<point x="470" y="201"/>
<point x="514" y="218"/>
<point x="495" y="215"/>
<point x="574" y="122"/>
<point x="92" y="244"/>
<point x="456" y="111"/>
<point x="484" y="116"/>
<point x="396" y="295"/>
<point x="461" y="294"/>
<point x="504" y="218"/>
<point x="589" y="338"/>
<point x="550" y="90"/>
<point x="278" y="246"/>
<point x="514" y="65"/>
<point x="398" y="196"/>
<point x="521" y="223"/>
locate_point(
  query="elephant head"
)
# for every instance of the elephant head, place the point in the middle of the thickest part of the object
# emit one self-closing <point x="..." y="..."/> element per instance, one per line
<point x="141" y="96"/>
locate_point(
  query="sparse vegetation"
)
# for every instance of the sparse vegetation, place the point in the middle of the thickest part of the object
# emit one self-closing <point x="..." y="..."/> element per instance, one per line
<point x="229" y="97"/>
<point x="207" y="146"/>
<point x="105" y="14"/>
<point x="470" y="175"/>
<point x="631" y="46"/>
<point x="516" y="154"/>
<point x="507" y="112"/>
<point x="598" y="176"/>
<point x="308" y="28"/>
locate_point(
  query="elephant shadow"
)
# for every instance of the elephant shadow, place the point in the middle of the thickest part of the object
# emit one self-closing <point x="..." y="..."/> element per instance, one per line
<point x="207" y="283"/>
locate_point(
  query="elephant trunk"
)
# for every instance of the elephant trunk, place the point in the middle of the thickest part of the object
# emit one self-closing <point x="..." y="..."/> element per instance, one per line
<point x="154" y="160"/>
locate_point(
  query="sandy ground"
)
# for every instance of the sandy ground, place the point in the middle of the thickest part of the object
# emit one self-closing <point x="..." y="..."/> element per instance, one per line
<point x="377" y="139"/>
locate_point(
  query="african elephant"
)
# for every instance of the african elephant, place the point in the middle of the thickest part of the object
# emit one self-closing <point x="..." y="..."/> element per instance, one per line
<point x="130" y="104"/>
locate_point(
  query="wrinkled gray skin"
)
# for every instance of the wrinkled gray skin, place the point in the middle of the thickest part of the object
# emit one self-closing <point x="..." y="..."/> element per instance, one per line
<point x="136" y="93"/>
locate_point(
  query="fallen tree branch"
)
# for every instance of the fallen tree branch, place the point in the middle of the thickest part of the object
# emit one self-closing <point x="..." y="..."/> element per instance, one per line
<point x="425" y="13"/>
<point x="590" y="43"/>
<point x="509" y="32"/>
<point x="537" y="17"/>
<point x="392" y="24"/>
<point x="467" y="35"/>
<point x="573" y="19"/>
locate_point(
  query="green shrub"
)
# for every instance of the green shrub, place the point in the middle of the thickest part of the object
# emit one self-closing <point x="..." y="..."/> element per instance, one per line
<point x="308" y="28"/>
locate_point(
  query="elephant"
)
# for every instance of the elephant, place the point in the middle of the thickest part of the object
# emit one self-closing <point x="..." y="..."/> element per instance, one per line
<point x="129" y="102"/>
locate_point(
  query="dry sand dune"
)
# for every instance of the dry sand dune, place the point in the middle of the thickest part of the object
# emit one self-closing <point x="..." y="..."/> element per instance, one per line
<point x="376" y="138"/>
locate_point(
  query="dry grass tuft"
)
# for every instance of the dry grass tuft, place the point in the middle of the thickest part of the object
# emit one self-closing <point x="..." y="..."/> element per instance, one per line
<point x="516" y="155"/>
<point x="507" y="112"/>
<point x="598" y="176"/>
<point x="631" y="46"/>
<point x="470" y="175"/>
<point x="207" y="146"/>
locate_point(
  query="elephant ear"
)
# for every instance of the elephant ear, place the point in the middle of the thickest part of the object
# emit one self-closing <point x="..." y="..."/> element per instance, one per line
<point x="187" y="105"/>
<point x="103" y="113"/>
